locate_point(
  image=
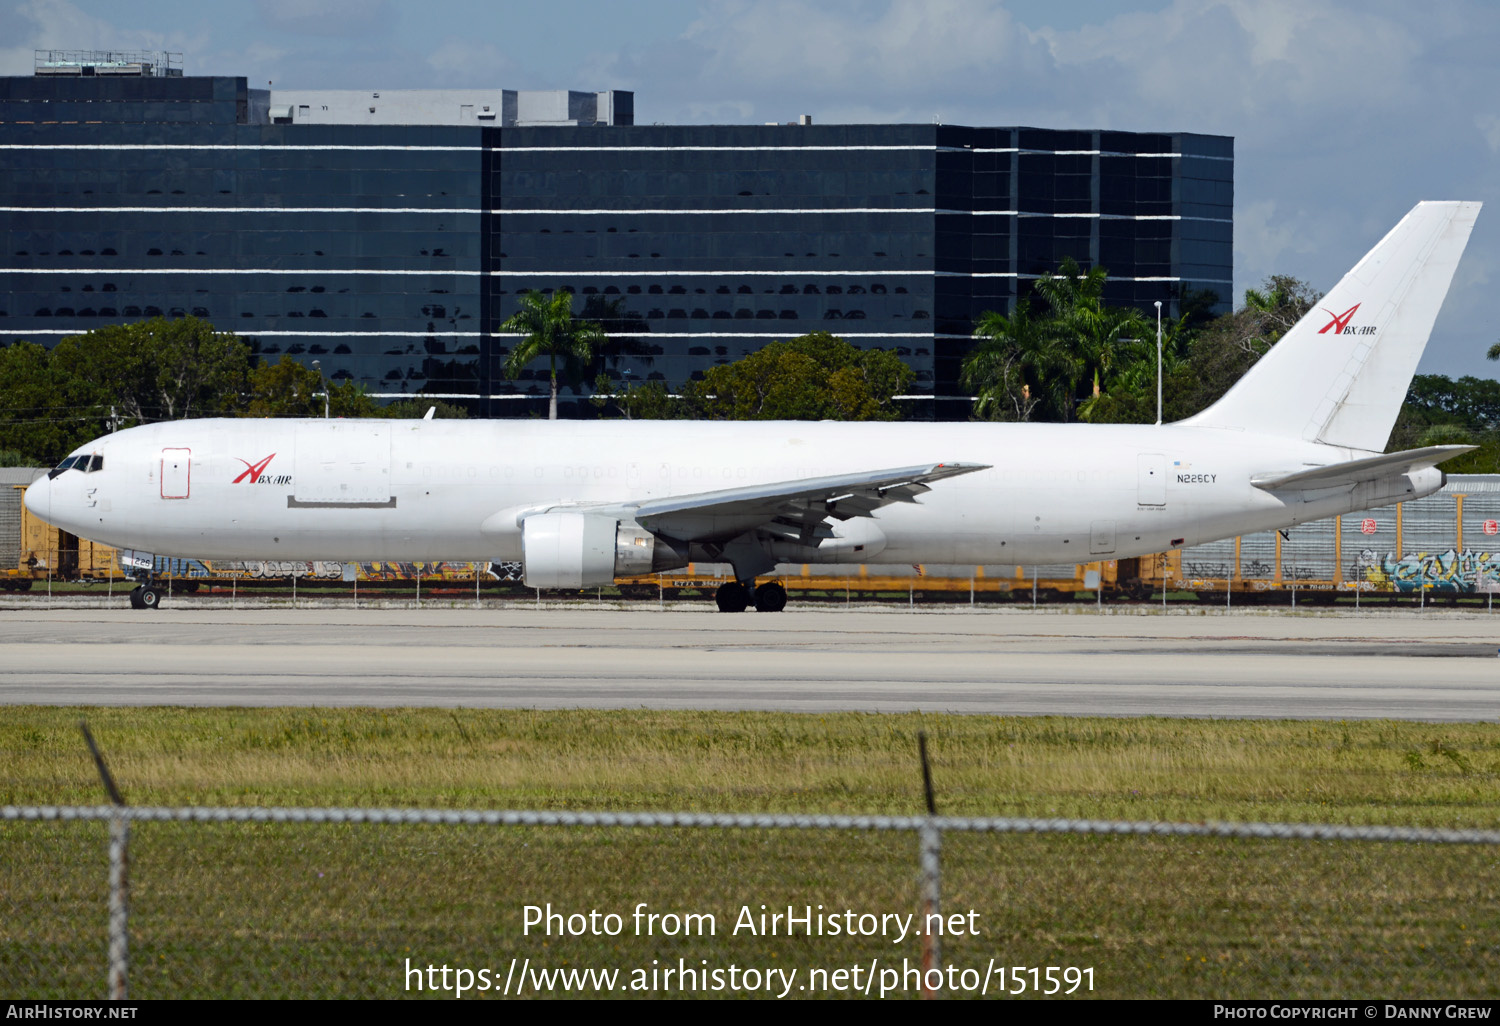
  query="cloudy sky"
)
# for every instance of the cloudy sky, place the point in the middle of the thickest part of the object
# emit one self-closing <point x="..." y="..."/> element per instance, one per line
<point x="1344" y="112"/>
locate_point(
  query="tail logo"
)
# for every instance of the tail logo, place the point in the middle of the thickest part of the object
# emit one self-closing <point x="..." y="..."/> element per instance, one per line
<point x="1340" y="321"/>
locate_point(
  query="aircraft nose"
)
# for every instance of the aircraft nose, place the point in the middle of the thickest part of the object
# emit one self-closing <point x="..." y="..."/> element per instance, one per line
<point x="38" y="498"/>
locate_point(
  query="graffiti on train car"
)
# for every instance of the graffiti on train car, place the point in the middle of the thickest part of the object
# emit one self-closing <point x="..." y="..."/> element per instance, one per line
<point x="1461" y="572"/>
<point x="317" y="570"/>
<point x="438" y="570"/>
<point x="254" y="570"/>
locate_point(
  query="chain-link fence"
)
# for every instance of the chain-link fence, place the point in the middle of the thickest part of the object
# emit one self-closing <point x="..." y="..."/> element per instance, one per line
<point x="301" y="902"/>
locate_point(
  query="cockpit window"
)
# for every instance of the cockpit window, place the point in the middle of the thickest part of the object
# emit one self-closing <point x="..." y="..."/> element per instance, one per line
<point x="86" y="462"/>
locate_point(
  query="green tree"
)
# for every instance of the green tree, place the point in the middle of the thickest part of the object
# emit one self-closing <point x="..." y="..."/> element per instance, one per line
<point x="1280" y="302"/>
<point x="287" y="388"/>
<point x="44" y="415"/>
<point x="812" y="377"/>
<point x="1203" y="361"/>
<point x="645" y="400"/>
<point x="1019" y="368"/>
<point x="1128" y="396"/>
<point x="1098" y="338"/>
<point x="416" y="408"/>
<point x="1081" y="357"/>
<point x="549" y="329"/>
<point x="159" y="369"/>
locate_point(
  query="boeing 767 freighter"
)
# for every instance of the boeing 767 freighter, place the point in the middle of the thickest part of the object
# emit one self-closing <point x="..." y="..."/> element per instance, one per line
<point x="580" y="503"/>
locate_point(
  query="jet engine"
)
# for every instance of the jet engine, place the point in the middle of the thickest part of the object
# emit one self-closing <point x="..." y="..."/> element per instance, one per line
<point x="584" y="550"/>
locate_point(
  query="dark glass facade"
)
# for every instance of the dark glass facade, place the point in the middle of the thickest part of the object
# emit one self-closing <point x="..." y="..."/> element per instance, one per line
<point x="393" y="254"/>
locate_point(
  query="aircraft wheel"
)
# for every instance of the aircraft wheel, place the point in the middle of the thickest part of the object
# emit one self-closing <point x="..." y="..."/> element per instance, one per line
<point x="732" y="597"/>
<point x="147" y="596"/>
<point x="135" y="598"/>
<point x="770" y="598"/>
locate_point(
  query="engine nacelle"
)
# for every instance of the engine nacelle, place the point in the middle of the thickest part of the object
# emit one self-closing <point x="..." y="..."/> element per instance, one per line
<point x="585" y="550"/>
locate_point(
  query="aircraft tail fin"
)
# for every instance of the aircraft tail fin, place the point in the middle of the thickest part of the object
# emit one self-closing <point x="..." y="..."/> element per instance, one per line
<point x="1340" y="374"/>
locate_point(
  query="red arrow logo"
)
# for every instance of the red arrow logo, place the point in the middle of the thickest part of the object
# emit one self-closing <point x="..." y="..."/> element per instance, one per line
<point x="1339" y="322"/>
<point x="253" y="470"/>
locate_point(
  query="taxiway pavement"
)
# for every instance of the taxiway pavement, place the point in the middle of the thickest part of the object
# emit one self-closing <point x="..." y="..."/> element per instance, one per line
<point x="1433" y="666"/>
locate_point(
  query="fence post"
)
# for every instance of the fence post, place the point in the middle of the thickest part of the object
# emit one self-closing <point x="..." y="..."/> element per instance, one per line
<point x="931" y="842"/>
<point x="119" y="879"/>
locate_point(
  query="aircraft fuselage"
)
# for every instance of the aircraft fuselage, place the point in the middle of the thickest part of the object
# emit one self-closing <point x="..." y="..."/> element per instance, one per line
<point x="429" y="490"/>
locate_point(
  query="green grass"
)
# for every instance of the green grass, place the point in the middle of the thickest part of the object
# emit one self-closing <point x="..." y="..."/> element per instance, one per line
<point x="334" y="910"/>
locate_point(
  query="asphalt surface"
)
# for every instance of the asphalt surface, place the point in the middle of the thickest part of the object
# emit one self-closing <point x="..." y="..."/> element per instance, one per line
<point x="1406" y="665"/>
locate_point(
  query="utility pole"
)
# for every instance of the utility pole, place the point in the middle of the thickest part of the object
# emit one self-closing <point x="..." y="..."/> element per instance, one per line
<point x="317" y="365"/>
<point x="1158" y="362"/>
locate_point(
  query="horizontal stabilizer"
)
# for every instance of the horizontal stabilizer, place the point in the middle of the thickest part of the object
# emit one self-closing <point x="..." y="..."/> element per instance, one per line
<point x="1336" y="475"/>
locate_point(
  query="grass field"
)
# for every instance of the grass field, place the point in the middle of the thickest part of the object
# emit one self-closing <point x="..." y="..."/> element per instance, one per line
<point x="336" y="909"/>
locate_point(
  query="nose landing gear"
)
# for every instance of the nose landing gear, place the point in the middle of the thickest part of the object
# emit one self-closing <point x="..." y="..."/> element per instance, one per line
<point x="145" y="596"/>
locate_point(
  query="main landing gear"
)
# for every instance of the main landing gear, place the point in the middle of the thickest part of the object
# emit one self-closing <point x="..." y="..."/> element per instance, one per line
<point x="736" y="597"/>
<point x="145" y="596"/>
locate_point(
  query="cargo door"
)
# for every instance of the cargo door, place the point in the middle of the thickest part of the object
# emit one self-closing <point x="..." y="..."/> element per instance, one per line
<point x="1101" y="537"/>
<point x="342" y="464"/>
<point x="1151" y="483"/>
<point x="176" y="473"/>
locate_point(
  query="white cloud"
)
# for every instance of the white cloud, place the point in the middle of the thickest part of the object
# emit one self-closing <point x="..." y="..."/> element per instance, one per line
<point x="341" y="18"/>
<point x="471" y="62"/>
<point x="1489" y="127"/>
<point x="854" y="49"/>
<point x="1237" y="58"/>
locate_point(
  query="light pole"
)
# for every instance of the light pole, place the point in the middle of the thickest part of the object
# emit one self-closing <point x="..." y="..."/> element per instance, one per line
<point x="1158" y="361"/>
<point x="317" y="365"/>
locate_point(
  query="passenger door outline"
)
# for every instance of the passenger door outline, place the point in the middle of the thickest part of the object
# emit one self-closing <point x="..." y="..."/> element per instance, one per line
<point x="176" y="473"/>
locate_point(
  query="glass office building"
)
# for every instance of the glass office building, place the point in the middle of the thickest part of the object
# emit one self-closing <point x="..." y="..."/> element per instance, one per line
<point x="393" y="253"/>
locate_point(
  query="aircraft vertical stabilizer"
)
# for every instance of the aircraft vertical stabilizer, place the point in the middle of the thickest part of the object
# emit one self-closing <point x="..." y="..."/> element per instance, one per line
<point x="1340" y="374"/>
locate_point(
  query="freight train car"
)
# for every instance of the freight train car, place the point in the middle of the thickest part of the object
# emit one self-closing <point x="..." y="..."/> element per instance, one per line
<point x="1447" y="543"/>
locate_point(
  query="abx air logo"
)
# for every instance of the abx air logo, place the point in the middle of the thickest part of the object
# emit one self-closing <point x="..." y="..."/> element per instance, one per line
<point x="1340" y="325"/>
<point x="255" y="473"/>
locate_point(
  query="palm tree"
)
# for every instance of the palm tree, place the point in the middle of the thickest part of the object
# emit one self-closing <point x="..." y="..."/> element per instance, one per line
<point x="550" y="329"/>
<point x="1098" y="336"/>
<point x="1071" y="287"/>
<point x="1017" y="366"/>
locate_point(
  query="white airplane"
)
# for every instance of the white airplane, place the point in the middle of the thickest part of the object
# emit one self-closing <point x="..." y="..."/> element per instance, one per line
<point x="579" y="503"/>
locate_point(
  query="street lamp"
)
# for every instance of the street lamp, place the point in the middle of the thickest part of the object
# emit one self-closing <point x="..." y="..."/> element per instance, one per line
<point x="317" y="365"/>
<point x="1158" y="361"/>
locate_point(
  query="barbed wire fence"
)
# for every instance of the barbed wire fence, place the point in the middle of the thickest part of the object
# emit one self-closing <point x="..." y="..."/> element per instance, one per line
<point x="344" y="902"/>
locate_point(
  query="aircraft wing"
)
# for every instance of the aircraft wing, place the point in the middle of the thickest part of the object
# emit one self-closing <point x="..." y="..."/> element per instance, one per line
<point x="796" y="508"/>
<point x="1356" y="471"/>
